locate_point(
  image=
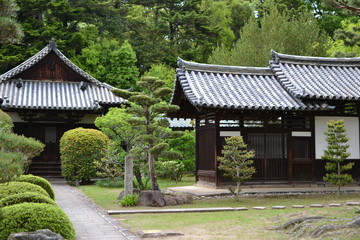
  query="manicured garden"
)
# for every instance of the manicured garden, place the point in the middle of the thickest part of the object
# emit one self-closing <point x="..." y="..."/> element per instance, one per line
<point x="250" y="224"/>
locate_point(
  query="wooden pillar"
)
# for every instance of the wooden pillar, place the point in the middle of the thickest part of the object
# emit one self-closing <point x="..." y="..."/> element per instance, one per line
<point x="217" y="149"/>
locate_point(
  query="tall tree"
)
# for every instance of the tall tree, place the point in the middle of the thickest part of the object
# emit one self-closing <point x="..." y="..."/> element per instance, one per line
<point x="10" y="29"/>
<point x="110" y="62"/>
<point x="336" y="154"/>
<point x="148" y="106"/>
<point x="347" y="40"/>
<point x="284" y="32"/>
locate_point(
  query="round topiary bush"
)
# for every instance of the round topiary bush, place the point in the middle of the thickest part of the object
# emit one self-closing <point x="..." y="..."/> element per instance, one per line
<point x="29" y="217"/>
<point x="7" y="189"/>
<point x="79" y="149"/>
<point x="42" y="182"/>
<point x="28" y="197"/>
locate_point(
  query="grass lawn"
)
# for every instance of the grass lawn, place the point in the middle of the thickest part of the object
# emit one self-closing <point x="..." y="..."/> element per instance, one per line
<point x="251" y="224"/>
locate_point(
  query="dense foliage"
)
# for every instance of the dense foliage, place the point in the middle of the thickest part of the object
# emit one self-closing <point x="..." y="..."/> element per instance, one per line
<point x="29" y="217"/>
<point x="236" y="161"/>
<point x="336" y="154"/>
<point x="28" y="197"/>
<point x="107" y="37"/>
<point x="10" y="188"/>
<point x="42" y="182"/>
<point x="10" y="30"/>
<point x="16" y="152"/>
<point x="79" y="149"/>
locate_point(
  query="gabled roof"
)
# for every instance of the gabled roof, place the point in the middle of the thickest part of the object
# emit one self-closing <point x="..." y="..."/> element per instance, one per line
<point x="85" y="94"/>
<point x="51" y="47"/>
<point x="231" y="87"/>
<point x="54" y="95"/>
<point x="318" y="77"/>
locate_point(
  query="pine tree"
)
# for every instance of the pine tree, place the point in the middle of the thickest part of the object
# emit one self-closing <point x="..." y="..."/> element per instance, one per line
<point x="10" y="30"/>
<point x="236" y="161"/>
<point x="336" y="154"/>
<point x="147" y="105"/>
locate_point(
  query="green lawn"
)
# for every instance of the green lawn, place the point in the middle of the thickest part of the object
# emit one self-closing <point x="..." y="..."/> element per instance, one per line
<point x="251" y="224"/>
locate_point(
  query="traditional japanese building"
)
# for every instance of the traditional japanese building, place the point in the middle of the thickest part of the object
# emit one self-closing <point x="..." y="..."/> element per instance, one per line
<point x="47" y="95"/>
<point x="281" y="111"/>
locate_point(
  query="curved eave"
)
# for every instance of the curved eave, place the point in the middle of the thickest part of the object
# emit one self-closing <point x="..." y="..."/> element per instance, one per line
<point x="280" y="57"/>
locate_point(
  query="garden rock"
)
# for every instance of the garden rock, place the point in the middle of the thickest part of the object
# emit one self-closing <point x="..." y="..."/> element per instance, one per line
<point x="170" y="200"/>
<point x="151" y="199"/>
<point x="43" y="234"/>
<point x="121" y="195"/>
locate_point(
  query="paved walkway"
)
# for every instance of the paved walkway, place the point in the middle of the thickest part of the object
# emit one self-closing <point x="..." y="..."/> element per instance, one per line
<point x="90" y="222"/>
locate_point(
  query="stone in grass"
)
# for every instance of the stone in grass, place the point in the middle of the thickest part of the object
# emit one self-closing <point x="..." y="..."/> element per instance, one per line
<point x="352" y="203"/>
<point x="278" y="207"/>
<point x="241" y="209"/>
<point x="316" y="205"/>
<point x="43" y="234"/>
<point x="335" y="205"/>
<point x="157" y="234"/>
<point x="259" y="208"/>
<point x="151" y="198"/>
<point x="297" y="206"/>
<point x="170" y="200"/>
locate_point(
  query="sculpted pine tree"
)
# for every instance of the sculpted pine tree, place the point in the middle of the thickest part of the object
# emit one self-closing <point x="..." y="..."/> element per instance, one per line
<point x="149" y="106"/>
<point x="236" y="161"/>
<point x="336" y="154"/>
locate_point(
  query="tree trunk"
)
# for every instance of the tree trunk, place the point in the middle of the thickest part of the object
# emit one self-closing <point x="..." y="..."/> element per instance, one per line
<point x="339" y="172"/>
<point x="151" y="162"/>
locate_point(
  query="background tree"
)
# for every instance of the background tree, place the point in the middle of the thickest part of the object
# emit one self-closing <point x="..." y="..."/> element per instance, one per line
<point x="124" y="129"/>
<point x="347" y="40"/>
<point x="281" y="31"/>
<point x="236" y="161"/>
<point x="148" y="106"/>
<point x="336" y="154"/>
<point x="110" y="62"/>
<point x="10" y="29"/>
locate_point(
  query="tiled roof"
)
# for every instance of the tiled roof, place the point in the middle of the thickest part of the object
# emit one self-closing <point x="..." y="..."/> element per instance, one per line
<point x="318" y="77"/>
<point x="60" y="95"/>
<point x="34" y="94"/>
<point x="230" y="87"/>
<point x="51" y="47"/>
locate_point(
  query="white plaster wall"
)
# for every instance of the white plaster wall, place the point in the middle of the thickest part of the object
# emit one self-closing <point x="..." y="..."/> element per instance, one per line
<point x="352" y="132"/>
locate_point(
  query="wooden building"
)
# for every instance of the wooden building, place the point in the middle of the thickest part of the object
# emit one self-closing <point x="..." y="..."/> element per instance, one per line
<point x="281" y="111"/>
<point x="47" y="95"/>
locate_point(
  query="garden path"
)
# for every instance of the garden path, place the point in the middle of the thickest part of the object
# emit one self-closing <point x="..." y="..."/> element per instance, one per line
<point x="90" y="222"/>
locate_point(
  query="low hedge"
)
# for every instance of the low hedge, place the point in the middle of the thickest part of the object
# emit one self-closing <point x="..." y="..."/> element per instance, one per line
<point x="29" y="217"/>
<point x="28" y="197"/>
<point x="10" y="188"/>
<point x="42" y="182"/>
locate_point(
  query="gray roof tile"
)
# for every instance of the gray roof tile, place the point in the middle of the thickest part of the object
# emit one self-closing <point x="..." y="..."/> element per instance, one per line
<point x="216" y="86"/>
<point x="40" y="94"/>
<point x="318" y="77"/>
<point x="34" y="94"/>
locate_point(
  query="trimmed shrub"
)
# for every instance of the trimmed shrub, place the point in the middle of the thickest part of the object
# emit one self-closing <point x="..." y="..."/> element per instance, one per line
<point x="79" y="149"/>
<point x="29" y="217"/>
<point x="10" y="188"/>
<point x="42" y="182"/>
<point x="25" y="197"/>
